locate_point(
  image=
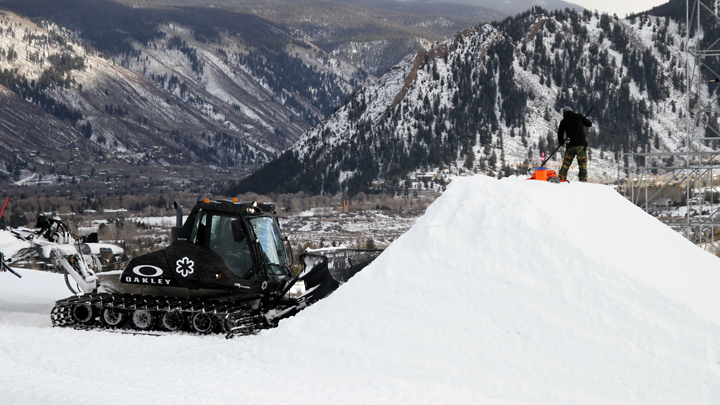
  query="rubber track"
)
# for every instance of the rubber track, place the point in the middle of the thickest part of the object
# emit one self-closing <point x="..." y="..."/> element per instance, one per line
<point x="243" y="320"/>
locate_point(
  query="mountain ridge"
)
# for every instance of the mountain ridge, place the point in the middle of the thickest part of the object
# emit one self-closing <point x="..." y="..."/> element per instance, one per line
<point x="373" y="34"/>
<point x="175" y="98"/>
<point x="490" y="105"/>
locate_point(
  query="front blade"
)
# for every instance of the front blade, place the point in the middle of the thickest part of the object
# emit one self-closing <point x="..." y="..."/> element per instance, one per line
<point x="319" y="283"/>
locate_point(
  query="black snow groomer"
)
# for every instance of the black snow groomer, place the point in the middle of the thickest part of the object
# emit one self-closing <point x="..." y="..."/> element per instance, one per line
<point x="227" y="269"/>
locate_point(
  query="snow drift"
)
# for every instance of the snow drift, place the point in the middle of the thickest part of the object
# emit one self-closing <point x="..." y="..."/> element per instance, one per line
<point x="504" y="292"/>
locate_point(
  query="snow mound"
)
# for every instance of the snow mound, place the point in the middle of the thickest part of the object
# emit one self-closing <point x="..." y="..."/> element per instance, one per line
<point x="527" y="291"/>
<point x="504" y="292"/>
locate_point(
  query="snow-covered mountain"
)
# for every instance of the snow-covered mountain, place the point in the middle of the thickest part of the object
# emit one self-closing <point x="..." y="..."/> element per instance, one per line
<point x="273" y="92"/>
<point x="488" y="99"/>
<point x="224" y="97"/>
<point x="373" y="34"/>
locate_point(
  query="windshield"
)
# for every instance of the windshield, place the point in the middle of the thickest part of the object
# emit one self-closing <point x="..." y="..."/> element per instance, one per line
<point x="268" y="233"/>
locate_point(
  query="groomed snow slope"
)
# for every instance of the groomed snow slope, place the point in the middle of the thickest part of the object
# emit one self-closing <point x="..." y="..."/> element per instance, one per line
<point x="504" y="292"/>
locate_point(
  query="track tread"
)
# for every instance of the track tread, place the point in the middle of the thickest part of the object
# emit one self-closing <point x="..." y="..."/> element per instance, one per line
<point x="240" y="319"/>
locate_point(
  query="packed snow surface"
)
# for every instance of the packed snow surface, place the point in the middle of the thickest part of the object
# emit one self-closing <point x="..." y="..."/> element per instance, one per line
<point x="504" y="292"/>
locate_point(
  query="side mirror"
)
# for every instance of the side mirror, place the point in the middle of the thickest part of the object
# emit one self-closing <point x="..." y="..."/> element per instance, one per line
<point x="289" y="252"/>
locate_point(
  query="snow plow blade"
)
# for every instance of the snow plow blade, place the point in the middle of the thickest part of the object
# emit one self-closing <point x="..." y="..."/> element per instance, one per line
<point x="325" y="269"/>
<point x="319" y="279"/>
<point x="319" y="283"/>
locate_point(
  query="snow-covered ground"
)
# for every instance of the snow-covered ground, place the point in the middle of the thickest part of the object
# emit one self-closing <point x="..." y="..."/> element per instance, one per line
<point x="505" y="292"/>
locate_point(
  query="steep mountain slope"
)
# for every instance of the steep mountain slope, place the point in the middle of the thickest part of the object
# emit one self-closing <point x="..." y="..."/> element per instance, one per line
<point x="487" y="100"/>
<point x="231" y="79"/>
<point x="118" y="109"/>
<point x="26" y="138"/>
<point x="225" y="88"/>
<point x="374" y="34"/>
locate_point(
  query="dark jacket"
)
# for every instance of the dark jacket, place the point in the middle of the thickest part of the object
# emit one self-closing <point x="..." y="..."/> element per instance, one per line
<point x="573" y="125"/>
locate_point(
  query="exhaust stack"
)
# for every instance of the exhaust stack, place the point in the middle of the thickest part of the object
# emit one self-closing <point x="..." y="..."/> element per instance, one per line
<point x="175" y="231"/>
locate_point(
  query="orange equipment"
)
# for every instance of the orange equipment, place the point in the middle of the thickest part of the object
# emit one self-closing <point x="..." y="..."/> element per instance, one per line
<point x="545" y="174"/>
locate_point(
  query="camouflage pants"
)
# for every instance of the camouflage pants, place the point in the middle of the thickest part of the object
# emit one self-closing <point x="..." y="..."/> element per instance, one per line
<point x="570" y="153"/>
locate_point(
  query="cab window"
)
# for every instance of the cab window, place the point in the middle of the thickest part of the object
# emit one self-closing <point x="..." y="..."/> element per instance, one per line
<point x="227" y="238"/>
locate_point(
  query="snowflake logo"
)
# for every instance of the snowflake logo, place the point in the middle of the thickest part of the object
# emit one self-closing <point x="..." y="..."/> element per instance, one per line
<point x="185" y="266"/>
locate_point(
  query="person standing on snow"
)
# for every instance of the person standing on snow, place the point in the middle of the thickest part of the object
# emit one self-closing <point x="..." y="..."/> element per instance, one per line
<point x="573" y="125"/>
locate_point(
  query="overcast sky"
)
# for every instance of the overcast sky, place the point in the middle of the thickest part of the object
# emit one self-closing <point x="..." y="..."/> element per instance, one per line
<point x="619" y="7"/>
